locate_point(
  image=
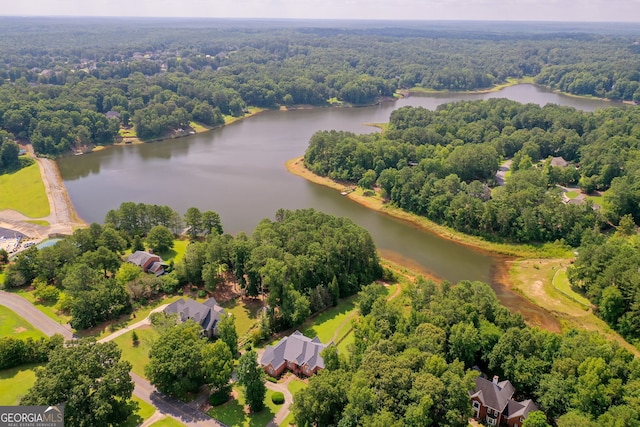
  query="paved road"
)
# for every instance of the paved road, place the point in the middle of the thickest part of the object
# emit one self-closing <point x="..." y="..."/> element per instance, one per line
<point x="38" y="319"/>
<point x="143" y="389"/>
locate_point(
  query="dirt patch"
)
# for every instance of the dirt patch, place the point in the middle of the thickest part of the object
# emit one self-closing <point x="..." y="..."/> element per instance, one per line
<point x="19" y="329"/>
<point x="226" y="292"/>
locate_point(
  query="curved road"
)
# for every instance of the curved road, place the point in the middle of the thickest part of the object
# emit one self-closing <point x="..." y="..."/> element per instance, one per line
<point x="188" y="415"/>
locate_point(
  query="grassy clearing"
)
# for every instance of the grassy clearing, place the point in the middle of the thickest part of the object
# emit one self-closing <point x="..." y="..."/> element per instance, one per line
<point x="47" y="308"/>
<point x="561" y="283"/>
<point x="138" y="355"/>
<point x="533" y="278"/>
<point x="198" y="127"/>
<point x="14" y="326"/>
<point x="571" y="194"/>
<point x="246" y="315"/>
<point x="175" y="254"/>
<point x="294" y="387"/>
<point x="333" y="323"/>
<point x="23" y="191"/>
<point x="252" y="112"/>
<point x="143" y="413"/>
<point x="232" y="413"/>
<point x="128" y="133"/>
<point x="510" y="82"/>
<point x="15" y="383"/>
<point x="548" y="250"/>
<point x="167" y="422"/>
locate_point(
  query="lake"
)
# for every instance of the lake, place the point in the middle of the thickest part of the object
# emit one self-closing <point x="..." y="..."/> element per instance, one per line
<point x="238" y="171"/>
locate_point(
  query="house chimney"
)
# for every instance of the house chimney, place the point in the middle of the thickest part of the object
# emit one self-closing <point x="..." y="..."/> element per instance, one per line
<point x="495" y="379"/>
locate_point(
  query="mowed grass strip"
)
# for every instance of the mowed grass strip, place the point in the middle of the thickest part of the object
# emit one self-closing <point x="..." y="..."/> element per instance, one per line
<point x="15" y="383"/>
<point x="332" y="322"/>
<point x="137" y="355"/>
<point x="294" y="386"/>
<point x="23" y="191"/>
<point x="244" y="313"/>
<point x="14" y="326"/>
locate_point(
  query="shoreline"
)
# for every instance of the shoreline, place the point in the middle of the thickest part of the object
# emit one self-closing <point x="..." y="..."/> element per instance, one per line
<point x="296" y="167"/>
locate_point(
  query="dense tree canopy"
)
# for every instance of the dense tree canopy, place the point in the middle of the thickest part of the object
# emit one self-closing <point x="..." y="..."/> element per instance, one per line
<point x="442" y="164"/>
<point x="91" y="381"/>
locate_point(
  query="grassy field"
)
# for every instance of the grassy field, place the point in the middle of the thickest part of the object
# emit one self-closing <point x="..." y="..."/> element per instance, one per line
<point x="23" y="191"/>
<point x="15" y="383"/>
<point x="246" y="315"/>
<point x="14" y="326"/>
<point x="175" y="254"/>
<point x="561" y="283"/>
<point x="137" y="355"/>
<point x="571" y="194"/>
<point x="47" y="308"/>
<point x="333" y="323"/>
<point x="232" y="413"/>
<point x="167" y="422"/>
<point x="144" y="412"/>
<point x="533" y="278"/>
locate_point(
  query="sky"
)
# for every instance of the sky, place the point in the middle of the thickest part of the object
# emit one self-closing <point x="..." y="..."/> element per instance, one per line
<point x="492" y="10"/>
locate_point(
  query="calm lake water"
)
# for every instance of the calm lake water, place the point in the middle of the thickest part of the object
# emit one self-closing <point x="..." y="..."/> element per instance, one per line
<point x="238" y="171"/>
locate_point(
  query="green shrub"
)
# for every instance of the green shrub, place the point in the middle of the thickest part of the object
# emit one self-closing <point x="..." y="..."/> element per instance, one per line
<point x="202" y="293"/>
<point x="277" y="398"/>
<point x="271" y="379"/>
<point x="219" y="397"/>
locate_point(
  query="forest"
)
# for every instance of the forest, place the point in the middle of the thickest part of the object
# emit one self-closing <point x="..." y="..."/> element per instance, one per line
<point x="442" y="164"/>
<point x="415" y="359"/>
<point x="304" y="261"/>
<point x="59" y="77"/>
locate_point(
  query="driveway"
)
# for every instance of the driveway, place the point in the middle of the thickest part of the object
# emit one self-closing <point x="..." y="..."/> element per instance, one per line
<point x="38" y="319"/>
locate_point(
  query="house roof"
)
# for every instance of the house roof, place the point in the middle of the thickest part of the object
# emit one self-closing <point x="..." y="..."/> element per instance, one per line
<point x="295" y="348"/>
<point x="207" y="314"/>
<point x="520" y="409"/>
<point x="493" y="395"/>
<point x="559" y="161"/>
<point x="140" y="258"/>
<point x="112" y="115"/>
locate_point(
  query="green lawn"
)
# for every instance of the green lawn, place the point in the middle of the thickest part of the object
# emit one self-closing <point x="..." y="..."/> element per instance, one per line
<point x="561" y="283"/>
<point x="144" y="412"/>
<point x="571" y="194"/>
<point x="332" y="323"/>
<point x="23" y="191"/>
<point x="246" y="315"/>
<point x="12" y="325"/>
<point x="167" y="422"/>
<point x="47" y="308"/>
<point x="294" y="387"/>
<point x="138" y="355"/>
<point x="175" y="254"/>
<point x="15" y="383"/>
<point x="232" y="413"/>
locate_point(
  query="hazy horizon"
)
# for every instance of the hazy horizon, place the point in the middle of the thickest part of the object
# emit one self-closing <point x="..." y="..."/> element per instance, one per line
<point x="627" y="11"/>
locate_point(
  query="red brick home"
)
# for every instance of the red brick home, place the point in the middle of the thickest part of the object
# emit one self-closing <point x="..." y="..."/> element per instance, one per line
<point x="297" y="353"/>
<point x="148" y="262"/>
<point x="492" y="403"/>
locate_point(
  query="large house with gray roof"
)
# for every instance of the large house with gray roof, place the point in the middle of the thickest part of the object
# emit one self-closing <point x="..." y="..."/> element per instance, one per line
<point x="492" y="403"/>
<point x="207" y="314"/>
<point x="297" y="353"/>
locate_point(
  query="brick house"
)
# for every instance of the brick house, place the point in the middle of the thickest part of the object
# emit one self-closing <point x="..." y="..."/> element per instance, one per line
<point x="492" y="403"/>
<point x="148" y="262"/>
<point x="297" y="353"/>
<point x="207" y="314"/>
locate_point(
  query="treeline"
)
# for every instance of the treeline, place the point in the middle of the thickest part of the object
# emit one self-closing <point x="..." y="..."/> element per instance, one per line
<point x="606" y="270"/>
<point x="9" y="152"/>
<point x="58" y="80"/>
<point x="15" y="352"/>
<point x="411" y="365"/>
<point x="303" y="261"/>
<point x="442" y="164"/>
